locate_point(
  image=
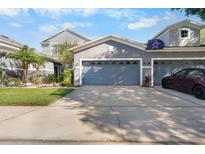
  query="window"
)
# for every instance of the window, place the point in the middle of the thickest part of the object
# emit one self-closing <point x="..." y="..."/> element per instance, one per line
<point x="121" y="62"/>
<point x="135" y="62"/>
<point x="53" y="48"/>
<point x="195" y="74"/>
<point x="181" y="73"/>
<point x="184" y="33"/>
<point x="128" y="62"/>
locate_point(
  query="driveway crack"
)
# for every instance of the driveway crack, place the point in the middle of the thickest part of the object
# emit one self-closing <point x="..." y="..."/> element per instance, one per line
<point x="18" y="115"/>
<point x="119" y="123"/>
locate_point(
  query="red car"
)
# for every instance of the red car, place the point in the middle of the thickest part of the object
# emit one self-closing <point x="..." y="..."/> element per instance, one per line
<point x="190" y="80"/>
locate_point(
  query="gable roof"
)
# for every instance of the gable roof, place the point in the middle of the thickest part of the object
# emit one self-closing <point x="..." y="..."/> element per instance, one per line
<point x="8" y="45"/>
<point x="181" y="23"/>
<point x="108" y="38"/>
<point x="67" y="30"/>
<point x="9" y="41"/>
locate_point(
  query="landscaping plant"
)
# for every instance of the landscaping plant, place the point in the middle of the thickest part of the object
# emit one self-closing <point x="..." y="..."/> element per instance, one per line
<point x="1" y="74"/>
<point x="11" y="81"/>
<point x="26" y="56"/>
<point x="38" y="62"/>
<point x="147" y="80"/>
<point x="50" y="78"/>
<point x="36" y="80"/>
<point x="64" y="54"/>
<point x="68" y="77"/>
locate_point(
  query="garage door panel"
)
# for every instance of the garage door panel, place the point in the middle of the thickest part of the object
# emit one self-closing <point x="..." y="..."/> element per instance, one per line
<point x="164" y="68"/>
<point x="111" y="74"/>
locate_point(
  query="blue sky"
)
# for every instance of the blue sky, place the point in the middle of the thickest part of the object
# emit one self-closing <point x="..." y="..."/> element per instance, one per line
<point x="31" y="26"/>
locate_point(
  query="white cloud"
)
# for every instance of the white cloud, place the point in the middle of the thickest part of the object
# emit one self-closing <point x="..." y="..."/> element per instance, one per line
<point x="143" y="23"/>
<point x="58" y="13"/>
<point x="168" y="15"/>
<point x="73" y="25"/>
<point x="85" y="12"/>
<point x="123" y="13"/>
<point x="10" y="12"/>
<point x="48" y="28"/>
<point x="14" y="12"/>
<point x="53" y="13"/>
<point x="13" y="24"/>
<point x="70" y="25"/>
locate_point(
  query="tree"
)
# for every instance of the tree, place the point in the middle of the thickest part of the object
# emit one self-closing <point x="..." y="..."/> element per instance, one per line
<point x="26" y="56"/>
<point x="200" y="12"/>
<point x="64" y="54"/>
<point x="202" y="39"/>
<point x="38" y="62"/>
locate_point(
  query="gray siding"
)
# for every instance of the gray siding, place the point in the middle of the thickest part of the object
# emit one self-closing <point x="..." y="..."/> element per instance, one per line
<point x="172" y="37"/>
<point x="65" y="36"/>
<point x="125" y="51"/>
<point x="12" y="67"/>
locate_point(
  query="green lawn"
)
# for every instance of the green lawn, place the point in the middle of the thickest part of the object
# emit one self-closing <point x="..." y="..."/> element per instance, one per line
<point x="31" y="96"/>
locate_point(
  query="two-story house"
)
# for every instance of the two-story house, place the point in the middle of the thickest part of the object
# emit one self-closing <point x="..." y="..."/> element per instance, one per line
<point x="115" y="60"/>
<point x="49" y="45"/>
<point x="13" y="67"/>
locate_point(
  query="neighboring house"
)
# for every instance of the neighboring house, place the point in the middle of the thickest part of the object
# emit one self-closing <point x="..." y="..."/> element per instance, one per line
<point x="114" y="60"/>
<point x="49" y="45"/>
<point x="12" y="67"/>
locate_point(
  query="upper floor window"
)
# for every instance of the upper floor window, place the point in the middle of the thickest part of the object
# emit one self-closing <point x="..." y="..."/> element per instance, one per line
<point x="53" y="49"/>
<point x="184" y="33"/>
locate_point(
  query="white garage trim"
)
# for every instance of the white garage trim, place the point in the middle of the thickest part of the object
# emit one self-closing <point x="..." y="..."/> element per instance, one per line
<point x="110" y="59"/>
<point x="174" y="59"/>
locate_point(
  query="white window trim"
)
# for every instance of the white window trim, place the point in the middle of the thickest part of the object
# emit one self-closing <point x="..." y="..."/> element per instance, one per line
<point x="112" y="59"/>
<point x="184" y="38"/>
<point x="174" y="59"/>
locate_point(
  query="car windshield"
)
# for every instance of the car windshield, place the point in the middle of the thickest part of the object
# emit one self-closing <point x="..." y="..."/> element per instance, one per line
<point x="181" y="73"/>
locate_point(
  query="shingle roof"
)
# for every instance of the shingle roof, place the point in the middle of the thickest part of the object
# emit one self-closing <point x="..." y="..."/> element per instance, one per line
<point x="9" y="41"/>
<point x="106" y="38"/>
<point x="74" y="33"/>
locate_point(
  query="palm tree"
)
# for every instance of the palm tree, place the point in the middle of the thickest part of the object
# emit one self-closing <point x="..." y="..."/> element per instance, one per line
<point x="38" y="62"/>
<point x="64" y="54"/>
<point x="26" y="56"/>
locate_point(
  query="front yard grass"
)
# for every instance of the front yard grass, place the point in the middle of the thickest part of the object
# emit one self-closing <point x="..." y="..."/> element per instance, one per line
<point x="31" y="96"/>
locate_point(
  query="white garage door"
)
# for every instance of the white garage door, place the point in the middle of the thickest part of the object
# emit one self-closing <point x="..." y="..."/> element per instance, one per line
<point x="111" y="73"/>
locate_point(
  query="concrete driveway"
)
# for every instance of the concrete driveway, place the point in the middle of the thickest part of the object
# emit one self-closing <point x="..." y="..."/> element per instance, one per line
<point x="115" y="114"/>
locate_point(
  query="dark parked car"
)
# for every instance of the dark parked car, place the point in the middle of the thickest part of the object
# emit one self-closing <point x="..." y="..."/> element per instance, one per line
<point x="190" y="80"/>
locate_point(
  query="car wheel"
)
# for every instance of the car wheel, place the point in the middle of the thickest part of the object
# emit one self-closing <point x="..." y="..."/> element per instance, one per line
<point x="199" y="92"/>
<point x="164" y="84"/>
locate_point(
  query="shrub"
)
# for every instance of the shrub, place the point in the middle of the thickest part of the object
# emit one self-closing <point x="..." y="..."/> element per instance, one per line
<point x="1" y="72"/>
<point x="18" y="82"/>
<point x="59" y="79"/>
<point x="68" y="77"/>
<point x="11" y="81"/>
<point x="36" y="80"/>
<point x="50" y="78"/>
<point x="147" y="80"/>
